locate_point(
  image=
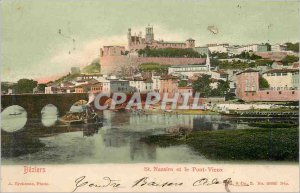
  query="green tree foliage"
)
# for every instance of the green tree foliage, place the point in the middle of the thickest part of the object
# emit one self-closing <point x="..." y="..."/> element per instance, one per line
<point x="263" y="62"/>
<point x="41" y="87"/>
<point x="235" y="65"/>
<point x="154" y="67"/>
<point x="263" y="83"/>
<point x="182" y="83"/>
<point x="25" y="86"/>
<point x="93" y="67"/>
<point x="219" y="55"/>
<point x="222" y="89"/>
<point x="293" y="47"/>
<point x="290" y="59"/>
<point x="5" y="86"/>
<point x="268" y="46"/>
<point x="202" y="85"/>
<point x="249" y="56"/>
<point x="169" y="52"/>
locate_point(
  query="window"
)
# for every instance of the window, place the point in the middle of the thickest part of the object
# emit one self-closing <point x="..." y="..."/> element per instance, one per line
<point x="279" y="92"/>
<point x="267" y="92"/>
<point x="293" y="92"/>
<point x="284" y="74"/>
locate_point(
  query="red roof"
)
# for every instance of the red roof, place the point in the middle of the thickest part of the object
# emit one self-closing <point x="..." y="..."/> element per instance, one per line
<point x="281" y="70"/>
<point x="248" y="70"/>
<point x="296" y="65"/>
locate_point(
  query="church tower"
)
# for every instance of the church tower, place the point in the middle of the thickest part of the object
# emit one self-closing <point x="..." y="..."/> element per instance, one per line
<point x="129" y="38"/>
<point x="149" y="34"/>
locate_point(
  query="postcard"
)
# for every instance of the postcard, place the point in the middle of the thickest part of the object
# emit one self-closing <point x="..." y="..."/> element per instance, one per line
<point x="149" y="96"/>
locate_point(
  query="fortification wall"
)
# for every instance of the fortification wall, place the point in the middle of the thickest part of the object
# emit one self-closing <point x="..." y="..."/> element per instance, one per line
<point x="111" y="64"/>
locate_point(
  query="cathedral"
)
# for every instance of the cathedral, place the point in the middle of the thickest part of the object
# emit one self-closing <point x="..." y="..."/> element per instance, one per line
<point x="137" y="42"/>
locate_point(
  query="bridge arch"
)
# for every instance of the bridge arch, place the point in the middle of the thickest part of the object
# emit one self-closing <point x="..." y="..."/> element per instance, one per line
<point x="13" y="118"/>
<point x="34" y="103"/>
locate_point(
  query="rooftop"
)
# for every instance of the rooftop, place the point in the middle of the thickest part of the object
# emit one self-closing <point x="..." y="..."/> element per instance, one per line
<point x="247" y="71"/>
<point x="282" y="70"/>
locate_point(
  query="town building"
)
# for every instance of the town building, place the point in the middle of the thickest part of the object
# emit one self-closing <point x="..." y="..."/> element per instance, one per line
<point x="247" y="89"/>
<point x="218" y="48"/>
<point x="233" y="50"/>
<point x="190" y="70"/>
<point x="282" y="79"/>
<point x="140" y="84"/>
<point x="278" y="48"/>
<point x="168" y="84"/>
<point x="116" y="85"/>
<point x="277" y="65"/>
<point x="156" y="82"/>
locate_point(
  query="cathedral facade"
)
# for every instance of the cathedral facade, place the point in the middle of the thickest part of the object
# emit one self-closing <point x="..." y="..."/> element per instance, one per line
<point x="137" y="42"/>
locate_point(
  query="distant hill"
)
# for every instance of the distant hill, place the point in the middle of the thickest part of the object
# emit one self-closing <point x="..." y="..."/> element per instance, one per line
<point x="93" y="67"/>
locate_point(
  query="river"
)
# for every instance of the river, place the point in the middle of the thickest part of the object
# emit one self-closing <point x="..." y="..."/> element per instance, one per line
<point x="118" y="140"/>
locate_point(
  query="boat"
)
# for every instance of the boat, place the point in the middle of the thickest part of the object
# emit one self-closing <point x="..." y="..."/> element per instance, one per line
<point x="15" y="113"/>
<point x="93" y="118"/>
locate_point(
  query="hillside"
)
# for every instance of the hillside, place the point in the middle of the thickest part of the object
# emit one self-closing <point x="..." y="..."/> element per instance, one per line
<point x="93" y="67"/>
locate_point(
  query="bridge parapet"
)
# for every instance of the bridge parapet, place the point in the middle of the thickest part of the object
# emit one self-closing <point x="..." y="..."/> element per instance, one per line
<point x="34" y="103"/>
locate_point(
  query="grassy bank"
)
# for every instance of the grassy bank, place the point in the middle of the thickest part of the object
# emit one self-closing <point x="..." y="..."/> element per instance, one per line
<point x="248" y="144"/>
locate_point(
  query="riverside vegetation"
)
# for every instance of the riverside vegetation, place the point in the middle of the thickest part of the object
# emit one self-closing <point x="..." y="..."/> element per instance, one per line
<point x="246" y="144"/>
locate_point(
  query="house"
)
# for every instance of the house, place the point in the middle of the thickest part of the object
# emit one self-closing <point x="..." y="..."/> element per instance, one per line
<point x="89" y="76"/>
<point x="278" y="48"/>
<point x="188" y="70"/>
<point x="52" y="88"/>
<point x="220" y="75"/>
<point x="282" y="79"/>
<point x="140" y="84"/>
<point x="156" y="82"/>
<point x="247" y="89"/>
<point x="277" y="65"/>
<point x="116" y="85"/>
<point x="217" y="48"/>
<point x="96" y="87"/>
<point x="168" y="84"/>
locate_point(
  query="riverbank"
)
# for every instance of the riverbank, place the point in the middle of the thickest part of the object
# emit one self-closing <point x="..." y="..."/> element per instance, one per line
<point x="247" y="144"/>
<point x="182" y="112"/>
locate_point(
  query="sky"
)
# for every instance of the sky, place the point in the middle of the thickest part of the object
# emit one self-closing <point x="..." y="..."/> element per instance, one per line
<point x="43" y="39"/>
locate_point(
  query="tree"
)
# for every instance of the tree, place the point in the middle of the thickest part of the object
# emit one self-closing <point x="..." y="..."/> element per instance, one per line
<point x="202" y="85"/>
<point x="293" y="47"/>
<point x="268" y="46"/>
<point x="222" y="89"/>
<point x="182" y="83"/>
<point x="290" y="59"/>
<point x="263" y="83"/>
<point x="25" y="86"/>
<point x="41" y="87"/>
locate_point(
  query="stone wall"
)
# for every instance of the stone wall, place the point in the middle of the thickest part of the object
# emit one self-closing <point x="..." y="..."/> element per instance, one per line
<point x="112" y="64"/>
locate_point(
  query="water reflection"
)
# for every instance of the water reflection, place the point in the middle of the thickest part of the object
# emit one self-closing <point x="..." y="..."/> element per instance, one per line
<point x="49" y="115"/>
<point x="118" y="140"/>
<point x="13" y="118"/>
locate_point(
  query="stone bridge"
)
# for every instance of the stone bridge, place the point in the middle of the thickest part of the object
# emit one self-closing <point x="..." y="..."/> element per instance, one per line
<point x="34" y="103"/>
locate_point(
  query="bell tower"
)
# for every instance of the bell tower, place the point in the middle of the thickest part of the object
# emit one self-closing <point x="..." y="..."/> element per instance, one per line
<point x="149" y="34"/>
